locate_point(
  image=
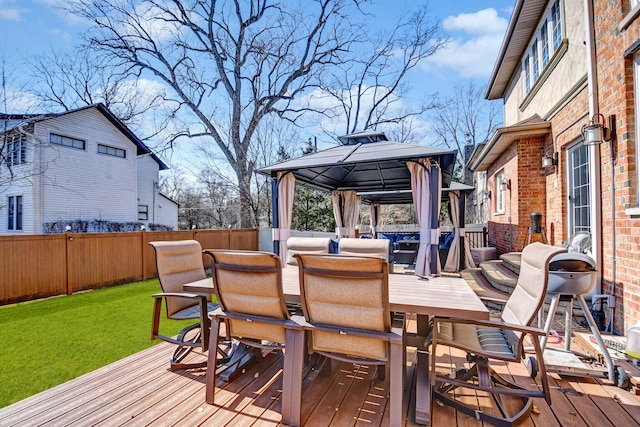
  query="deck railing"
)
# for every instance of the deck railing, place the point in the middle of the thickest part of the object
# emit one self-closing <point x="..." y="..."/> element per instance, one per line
<point x="477" y="238"/>
<point x="37" y="266"/>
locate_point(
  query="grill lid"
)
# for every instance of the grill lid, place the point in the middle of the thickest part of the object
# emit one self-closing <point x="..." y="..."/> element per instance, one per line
<point x="572" y="261"/>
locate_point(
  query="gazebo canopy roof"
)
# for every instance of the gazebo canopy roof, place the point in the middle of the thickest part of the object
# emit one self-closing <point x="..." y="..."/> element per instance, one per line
<point x="367" y="163"/>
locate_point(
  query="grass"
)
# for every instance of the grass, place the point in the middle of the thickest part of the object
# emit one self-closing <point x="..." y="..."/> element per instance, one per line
<point x="47" y="342"/>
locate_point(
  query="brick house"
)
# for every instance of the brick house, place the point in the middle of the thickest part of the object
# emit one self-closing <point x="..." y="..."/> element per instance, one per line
<point x="564" y="65"/>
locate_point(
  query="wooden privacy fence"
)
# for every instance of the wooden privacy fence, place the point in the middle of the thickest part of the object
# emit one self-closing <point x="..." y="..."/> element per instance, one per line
<point x="37" y="266"/>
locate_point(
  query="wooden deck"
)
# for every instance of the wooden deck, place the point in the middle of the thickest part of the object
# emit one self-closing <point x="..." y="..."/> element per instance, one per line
<point x="140" y="390"/>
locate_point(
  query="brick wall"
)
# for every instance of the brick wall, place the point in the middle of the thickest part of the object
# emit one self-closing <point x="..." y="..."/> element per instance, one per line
<point x="522" y="165"/>
<point x="620" y="231"/>
<point x="566" y="126"/>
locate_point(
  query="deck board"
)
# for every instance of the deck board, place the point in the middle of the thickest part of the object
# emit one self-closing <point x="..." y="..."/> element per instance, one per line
<point x="140" y="391"/>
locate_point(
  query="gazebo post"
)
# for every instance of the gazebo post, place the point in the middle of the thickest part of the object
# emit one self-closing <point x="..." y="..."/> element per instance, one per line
<point x="434" y="184"/>
<point x="462" y="203"/>
<point x="274" y="212"/>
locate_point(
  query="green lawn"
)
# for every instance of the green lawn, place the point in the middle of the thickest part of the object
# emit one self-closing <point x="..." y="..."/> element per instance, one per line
<point x="48" y="342"/>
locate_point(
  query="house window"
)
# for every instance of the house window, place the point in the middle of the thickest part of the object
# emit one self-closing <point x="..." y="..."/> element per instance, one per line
<point x="536" y="62"/>
<point x="14" y="213"/>
<point x="67" y="141"/>
<point x="636" y="77"/>
<point x="112" y="151"/>
<point x="556" y="24"/>
<point x="500" y="190"/>
<point x="546" y="41"/>
<point x="143" y="212"/>
<point x="579" y="189"/>
<point x="16" y="152"/>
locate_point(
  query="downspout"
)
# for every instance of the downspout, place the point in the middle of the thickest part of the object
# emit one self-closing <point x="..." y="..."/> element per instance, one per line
<point x="594" y="150"/>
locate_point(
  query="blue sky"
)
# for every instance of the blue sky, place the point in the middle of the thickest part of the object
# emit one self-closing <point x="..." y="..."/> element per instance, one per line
<point x="476" y="28"/>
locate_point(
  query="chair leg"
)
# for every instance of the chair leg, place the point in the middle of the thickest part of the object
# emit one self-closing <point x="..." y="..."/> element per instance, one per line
<point x="212" y="361"/>
<point x="490" y="381"/>
<point x="396" y="387"/>
<point x="326" y="367"/>
<point x="382" y="372"/>
<point x="292" y="377"/>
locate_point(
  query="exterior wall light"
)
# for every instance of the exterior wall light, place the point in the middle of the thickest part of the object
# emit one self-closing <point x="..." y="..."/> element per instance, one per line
<point x="549" y="160"/>
<point x="595" y="133"/>
<point x="505" y="185"/>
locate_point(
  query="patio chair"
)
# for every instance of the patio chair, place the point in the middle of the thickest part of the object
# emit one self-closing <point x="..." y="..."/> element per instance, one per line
<point x="178" y="263"/>
<point x="248" y="285"/>
<point x="498" y="340"/>
<point x="306" y="245"/>
<point x="345" y="301"/>
<point x="377" y="248"/>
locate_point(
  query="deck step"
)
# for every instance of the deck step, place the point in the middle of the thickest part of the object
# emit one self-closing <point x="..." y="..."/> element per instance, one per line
<point x="499" y="276"/>
<point x="511" y="260"/>
<point x="481" y="286"/>
<point x="494" y="298"/>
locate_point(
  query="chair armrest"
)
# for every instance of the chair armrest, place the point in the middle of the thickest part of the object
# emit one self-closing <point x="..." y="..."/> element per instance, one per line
<point x="490" y="324"/>
<point x="179" y="295"/>
<point x="287" y="323"/>
<point x="202" y="302"/>
<point x="396" y="334"/>
<point x="493" y="299"/>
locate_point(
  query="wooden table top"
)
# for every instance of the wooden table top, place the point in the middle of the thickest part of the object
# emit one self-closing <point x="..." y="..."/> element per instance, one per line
<point x="438" y="296"/>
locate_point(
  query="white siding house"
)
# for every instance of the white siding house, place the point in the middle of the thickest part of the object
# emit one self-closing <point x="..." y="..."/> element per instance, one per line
<point x="81" y="165"/>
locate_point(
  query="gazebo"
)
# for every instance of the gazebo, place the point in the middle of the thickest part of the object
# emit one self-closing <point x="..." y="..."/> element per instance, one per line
<point x="367" y="168"/>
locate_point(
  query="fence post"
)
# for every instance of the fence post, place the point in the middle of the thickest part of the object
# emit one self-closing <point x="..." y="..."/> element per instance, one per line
<point x="485" y="234"/>
<point x="143" y="239"/>
<point x="68" y="239"/>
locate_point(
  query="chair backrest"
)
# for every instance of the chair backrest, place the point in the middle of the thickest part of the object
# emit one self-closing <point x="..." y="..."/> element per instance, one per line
<point x="350" y="292"/>
<point x="378" y="248"/>
<point x="178" y="262"/>
<point x="306" y="245"/>
<point x="531" y="288"/>
<point x="250" y="283"/>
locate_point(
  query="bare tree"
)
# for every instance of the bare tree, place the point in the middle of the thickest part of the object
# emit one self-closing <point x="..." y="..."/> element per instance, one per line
<point x="368" y="89"/>
<point x="465" y="117"/>
<point x="230" y="63"/>
<point x="16" y="138"/>
<point x="66" y="81"/>
<point x="272" y="132"/>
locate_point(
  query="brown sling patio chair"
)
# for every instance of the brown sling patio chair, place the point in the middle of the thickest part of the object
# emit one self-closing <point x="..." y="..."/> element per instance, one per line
<point x="498" y="340"/>
<point x="178" y="263"/>
<point x="345" y="301"/>
<point x="248" y="285"/>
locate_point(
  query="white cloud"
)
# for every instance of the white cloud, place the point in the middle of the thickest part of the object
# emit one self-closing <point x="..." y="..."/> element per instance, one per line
<point x="19" y="101"/>
<point x="476" y="39"/>
<point x="483" y="22"/>
<point x="9" y="11"/>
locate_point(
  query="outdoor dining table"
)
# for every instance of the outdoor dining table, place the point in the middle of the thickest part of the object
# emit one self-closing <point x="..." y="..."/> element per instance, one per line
<point x="444" y="296"/>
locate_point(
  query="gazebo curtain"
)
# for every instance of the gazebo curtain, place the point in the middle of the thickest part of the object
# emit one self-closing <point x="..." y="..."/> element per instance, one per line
<point x="286" y="189"/>
<point x="425" y="182"/>
<point x="453" y="258"/>
<point x="346" y="210"/>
